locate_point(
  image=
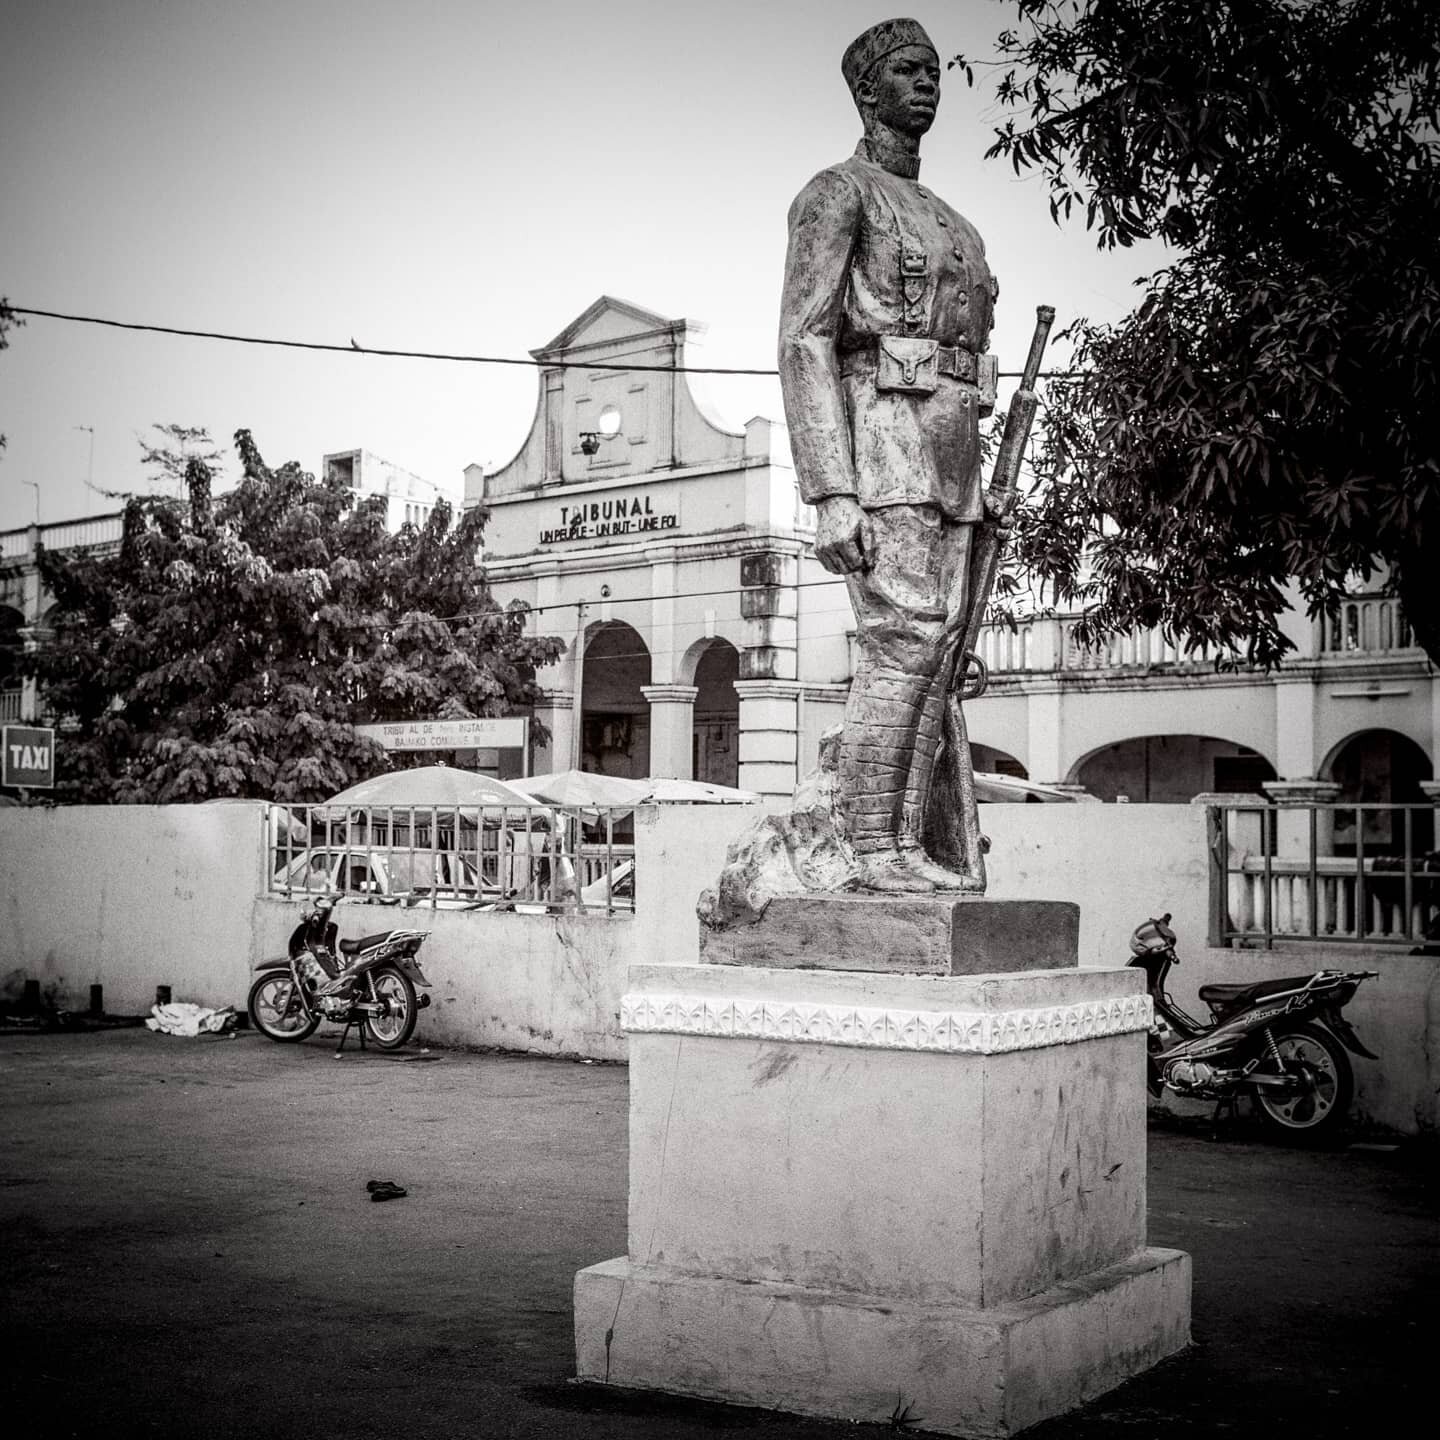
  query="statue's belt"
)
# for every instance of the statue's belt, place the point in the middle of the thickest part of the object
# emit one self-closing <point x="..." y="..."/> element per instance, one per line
<point x="951" y="360"/>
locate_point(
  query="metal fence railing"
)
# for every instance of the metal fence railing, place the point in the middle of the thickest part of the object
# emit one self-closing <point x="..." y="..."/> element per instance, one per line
<point x="533" y="858"/>
<point x="1337" y="873"/>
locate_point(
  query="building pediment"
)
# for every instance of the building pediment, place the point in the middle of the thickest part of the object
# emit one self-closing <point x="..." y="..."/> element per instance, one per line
<point x="603" y="323"/>
<point x="631" y="416"/>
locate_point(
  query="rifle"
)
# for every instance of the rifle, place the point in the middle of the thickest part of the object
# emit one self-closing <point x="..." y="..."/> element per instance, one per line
<point x="999" y="500"/>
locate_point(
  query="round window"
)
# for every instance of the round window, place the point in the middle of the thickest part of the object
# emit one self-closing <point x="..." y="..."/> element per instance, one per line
<point x="609" y="422"/>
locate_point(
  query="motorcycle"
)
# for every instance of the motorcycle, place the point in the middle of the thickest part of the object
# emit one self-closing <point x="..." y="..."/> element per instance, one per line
<point x="1281" y="1042"/>
<point x="369" y="983"/>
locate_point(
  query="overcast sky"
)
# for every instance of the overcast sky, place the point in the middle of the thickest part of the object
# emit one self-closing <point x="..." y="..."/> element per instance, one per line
<point x="450" y="175"/>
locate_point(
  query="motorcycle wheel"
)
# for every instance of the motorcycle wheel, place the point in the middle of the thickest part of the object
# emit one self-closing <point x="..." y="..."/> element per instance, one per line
<point x="1319" y="1110"/>
<point x="391" y="1030"/>
<point x="277" y="1009"/>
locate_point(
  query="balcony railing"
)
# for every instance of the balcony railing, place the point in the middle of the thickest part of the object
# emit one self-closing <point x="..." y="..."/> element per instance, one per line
<point x="10" y="706"/>
<point x="1048" y="644"/>
<point x="1275" y="876"/>
<point x="64" y="535"/>
<point x="1366" y="625"/>
<point x="531" y="858"/>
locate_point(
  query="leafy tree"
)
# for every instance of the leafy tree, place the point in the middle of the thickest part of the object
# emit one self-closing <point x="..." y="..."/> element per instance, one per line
<point x="232" y="644"/>
<point x="1269" y="410"/>
<point x="167" y="453"/>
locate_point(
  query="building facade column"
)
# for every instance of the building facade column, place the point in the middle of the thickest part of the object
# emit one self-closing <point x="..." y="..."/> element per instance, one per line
<point x="1295" y="757"/>
<point x="1435" y="726"/>
<point x="555" y="710"/>
<point x="1043" y="760"/>
<point x="769" y="607"/>
<point x="672" y="729"/>
<point x="1293" y="801"/>
<point x="769" y="737"/>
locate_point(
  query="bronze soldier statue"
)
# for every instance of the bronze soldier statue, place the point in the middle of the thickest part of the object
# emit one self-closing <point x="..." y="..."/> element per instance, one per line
<point x="885" y="315"/>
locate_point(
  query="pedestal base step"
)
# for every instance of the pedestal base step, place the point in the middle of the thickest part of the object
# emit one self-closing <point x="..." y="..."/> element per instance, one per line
<point x="949" y="1369"/>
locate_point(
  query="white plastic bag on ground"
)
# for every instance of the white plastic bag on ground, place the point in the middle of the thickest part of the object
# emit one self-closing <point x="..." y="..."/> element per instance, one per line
<point x="181" y="1018"/>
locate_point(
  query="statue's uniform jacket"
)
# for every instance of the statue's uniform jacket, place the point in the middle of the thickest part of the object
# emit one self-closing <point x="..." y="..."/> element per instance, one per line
<point x="843" y="291"/>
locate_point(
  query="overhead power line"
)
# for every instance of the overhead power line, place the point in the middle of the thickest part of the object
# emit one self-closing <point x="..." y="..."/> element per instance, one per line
<point x="355" y="348"/>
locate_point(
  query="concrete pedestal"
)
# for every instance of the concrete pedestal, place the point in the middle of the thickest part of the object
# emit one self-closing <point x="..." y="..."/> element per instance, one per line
<point x="853" y="1193"/>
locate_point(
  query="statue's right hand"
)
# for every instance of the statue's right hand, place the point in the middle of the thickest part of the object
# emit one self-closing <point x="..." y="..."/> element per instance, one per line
<point x="841" y="535"/>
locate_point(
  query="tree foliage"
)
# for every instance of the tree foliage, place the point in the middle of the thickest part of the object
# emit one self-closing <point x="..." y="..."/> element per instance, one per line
<point x="167" y="451"/>
<point x="233" y="643"/>
<point x="1268" y="412"/>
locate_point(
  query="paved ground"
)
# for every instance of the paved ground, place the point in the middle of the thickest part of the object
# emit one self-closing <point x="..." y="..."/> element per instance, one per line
<point x="189" y="1249"/>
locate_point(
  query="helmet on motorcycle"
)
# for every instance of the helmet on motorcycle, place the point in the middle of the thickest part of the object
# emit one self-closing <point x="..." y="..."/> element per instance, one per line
<point x="1152" y="937"/>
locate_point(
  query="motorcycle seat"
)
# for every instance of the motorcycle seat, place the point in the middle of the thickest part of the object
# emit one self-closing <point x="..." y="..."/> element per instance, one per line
<point x="354" y="947"/>
<point x="1235" y="997"/>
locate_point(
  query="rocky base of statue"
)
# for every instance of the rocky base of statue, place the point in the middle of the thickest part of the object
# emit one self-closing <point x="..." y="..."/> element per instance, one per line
<point x="804" y="851"/>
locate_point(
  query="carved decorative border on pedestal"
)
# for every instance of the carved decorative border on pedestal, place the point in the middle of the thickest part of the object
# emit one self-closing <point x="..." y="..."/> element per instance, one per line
<point x="951" y="1032"/>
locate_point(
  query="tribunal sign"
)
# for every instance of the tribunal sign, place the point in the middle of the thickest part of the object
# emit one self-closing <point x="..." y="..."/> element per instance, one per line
<point x="511" y="732"/>
<point x="617" y="517"/>
<point x="29" y="756"/>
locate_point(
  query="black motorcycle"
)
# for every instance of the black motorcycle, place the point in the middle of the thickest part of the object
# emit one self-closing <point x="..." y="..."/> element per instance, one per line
<point x="1281" y="1042"/>
<point x="369" y="983"/>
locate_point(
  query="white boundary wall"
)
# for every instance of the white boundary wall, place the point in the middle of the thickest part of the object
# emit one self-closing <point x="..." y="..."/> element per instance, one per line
<point x="129" y="897"/>
<point x="138" y="896"/>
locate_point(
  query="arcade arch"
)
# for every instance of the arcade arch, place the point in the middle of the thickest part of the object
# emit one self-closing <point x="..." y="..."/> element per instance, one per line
<point x="715" y="743"/>
<point x="1170" y="769"/>
<point x="615" y="716"/>
<point x="996" y="762"/>
<point x="1375" y="768"/>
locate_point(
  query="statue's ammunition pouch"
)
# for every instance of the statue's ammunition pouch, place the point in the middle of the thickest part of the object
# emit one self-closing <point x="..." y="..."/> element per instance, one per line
<point x="911" y="365"/>
<point x="908" y="364"/>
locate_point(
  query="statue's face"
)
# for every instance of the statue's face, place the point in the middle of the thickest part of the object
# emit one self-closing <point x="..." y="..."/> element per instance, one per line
<point x="903" y="90"/>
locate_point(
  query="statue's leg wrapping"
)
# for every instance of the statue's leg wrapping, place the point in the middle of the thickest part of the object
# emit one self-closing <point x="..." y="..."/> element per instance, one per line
<point x="874" y="768"/>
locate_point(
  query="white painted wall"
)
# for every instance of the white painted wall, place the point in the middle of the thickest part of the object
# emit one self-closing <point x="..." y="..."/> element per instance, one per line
<point x="129" y="897"/>
<point x="138" y="896"/>
<point x="547" y="984"/>
<point x="1120" y="863"/>
<point x="679" y="851"/>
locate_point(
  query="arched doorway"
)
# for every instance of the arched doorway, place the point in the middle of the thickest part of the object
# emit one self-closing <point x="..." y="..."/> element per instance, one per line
<point x="715" y="752"/>
<point x="1377" y="768"/>
<point x="615" y="718"/>
<point x="1171" y="769"/>
<point x="996" y="762"/>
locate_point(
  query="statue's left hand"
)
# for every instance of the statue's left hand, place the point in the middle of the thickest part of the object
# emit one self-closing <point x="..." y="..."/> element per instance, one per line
<point x="842" y="540"/>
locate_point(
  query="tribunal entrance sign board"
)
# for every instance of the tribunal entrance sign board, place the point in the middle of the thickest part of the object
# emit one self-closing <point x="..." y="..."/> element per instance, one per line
<point x="504" y="733"/>
<point x="29" y="756"/>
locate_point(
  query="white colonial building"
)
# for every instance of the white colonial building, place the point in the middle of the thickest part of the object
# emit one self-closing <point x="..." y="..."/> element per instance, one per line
<point x="672" y="552"/>
<point x="674" y="555"/>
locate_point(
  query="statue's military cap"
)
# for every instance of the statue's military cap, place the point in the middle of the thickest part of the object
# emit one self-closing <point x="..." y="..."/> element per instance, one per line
<point x="876" y="43"/>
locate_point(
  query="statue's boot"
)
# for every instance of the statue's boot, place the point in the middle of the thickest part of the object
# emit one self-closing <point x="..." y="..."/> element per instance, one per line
<point x="887" y="872"/>
<point x="874" y="763"/>
<point x="918" y="863"/>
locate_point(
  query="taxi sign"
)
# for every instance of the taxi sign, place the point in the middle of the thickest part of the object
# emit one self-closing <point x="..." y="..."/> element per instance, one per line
<point x="29" y="756"/>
